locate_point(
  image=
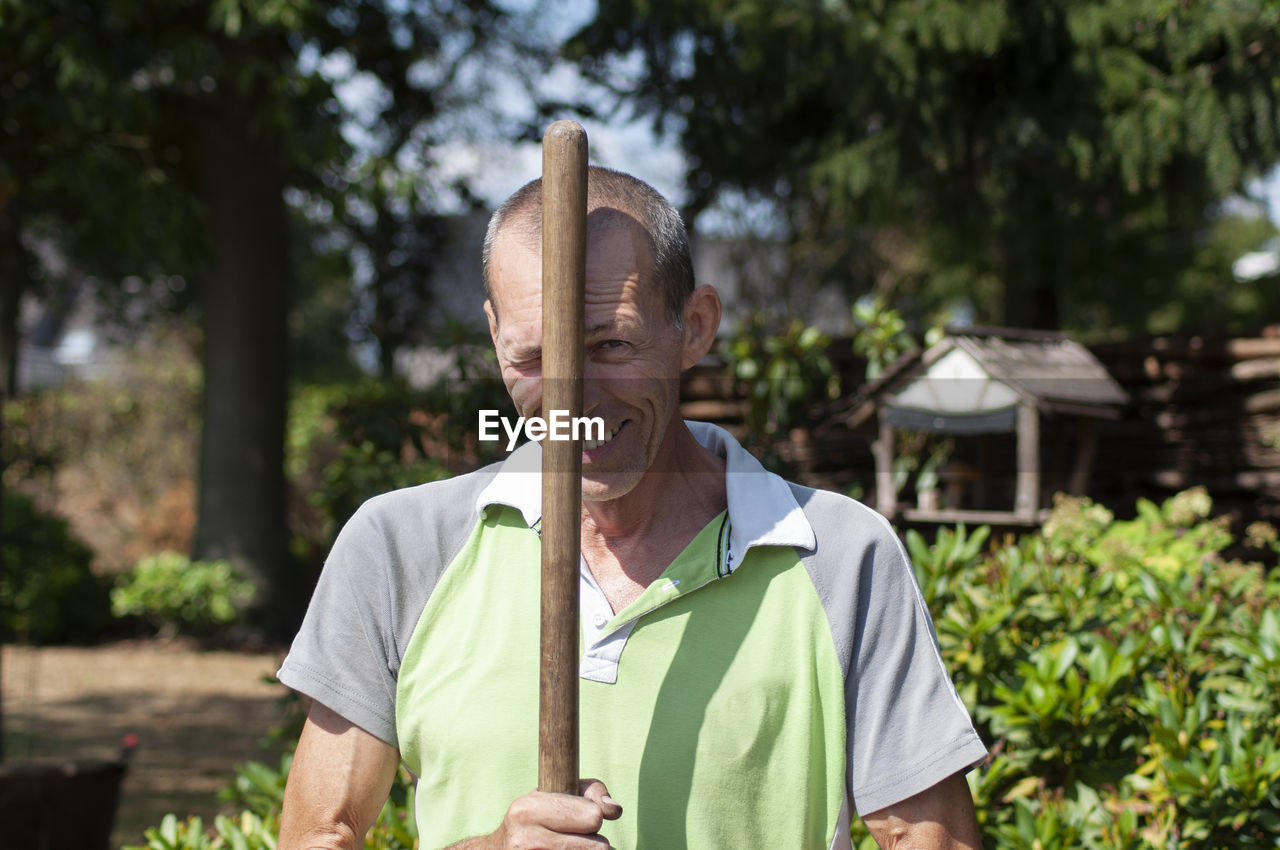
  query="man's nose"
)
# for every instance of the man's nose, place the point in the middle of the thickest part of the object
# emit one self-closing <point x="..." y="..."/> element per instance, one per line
<point x="592" y="390"/>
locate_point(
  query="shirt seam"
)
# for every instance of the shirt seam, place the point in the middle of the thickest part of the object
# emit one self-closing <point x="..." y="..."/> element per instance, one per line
<point x="887" y="789"/>
<point x="335" y="686"/>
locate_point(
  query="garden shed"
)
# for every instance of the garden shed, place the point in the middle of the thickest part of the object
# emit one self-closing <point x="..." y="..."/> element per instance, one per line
<point x="1017" y="408"/>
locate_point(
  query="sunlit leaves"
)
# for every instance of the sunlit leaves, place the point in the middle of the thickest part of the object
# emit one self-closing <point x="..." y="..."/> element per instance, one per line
<point x="1125" y="674"/>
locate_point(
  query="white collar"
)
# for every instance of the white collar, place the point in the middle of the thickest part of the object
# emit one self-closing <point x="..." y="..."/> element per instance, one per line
<point x="762" y="509"/>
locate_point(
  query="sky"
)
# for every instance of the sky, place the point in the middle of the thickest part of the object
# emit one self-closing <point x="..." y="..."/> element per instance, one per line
<point x="1269" y="190"/>
<point x="498" y="168"/>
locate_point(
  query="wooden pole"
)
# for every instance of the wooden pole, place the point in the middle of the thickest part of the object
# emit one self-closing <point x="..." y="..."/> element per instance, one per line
<point x="1086" y="450"/>
<point x="564" y="260"/>
<point x="1026" y="503"/>
<point x="882" y="448"/>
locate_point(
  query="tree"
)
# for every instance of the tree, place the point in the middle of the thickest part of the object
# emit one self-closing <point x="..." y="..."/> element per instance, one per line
<point x="160" y="136"/>
<point x="429" y="71"/>
<point x="73" y="175"/>
<point x="1052" y="160"/>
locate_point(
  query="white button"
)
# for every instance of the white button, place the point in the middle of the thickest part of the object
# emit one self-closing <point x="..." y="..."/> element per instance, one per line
<point x="600" y="620"/>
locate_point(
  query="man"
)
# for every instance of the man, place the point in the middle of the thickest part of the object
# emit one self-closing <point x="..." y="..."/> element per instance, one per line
<point x="758" y="663"/>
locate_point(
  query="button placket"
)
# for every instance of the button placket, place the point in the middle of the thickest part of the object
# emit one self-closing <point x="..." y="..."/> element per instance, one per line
<point x="596" y="612"/>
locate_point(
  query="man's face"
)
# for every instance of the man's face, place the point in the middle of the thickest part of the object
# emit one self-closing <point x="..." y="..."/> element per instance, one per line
<point x="633" y="354"/>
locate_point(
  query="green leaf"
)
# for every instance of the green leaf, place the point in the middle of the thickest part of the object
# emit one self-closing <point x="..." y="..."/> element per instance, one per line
<point x="1064" y="655"/>
<point x="169" y="829"/>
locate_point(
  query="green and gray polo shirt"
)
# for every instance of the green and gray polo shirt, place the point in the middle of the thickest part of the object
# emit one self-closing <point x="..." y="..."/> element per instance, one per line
<point x="781" y="672"/>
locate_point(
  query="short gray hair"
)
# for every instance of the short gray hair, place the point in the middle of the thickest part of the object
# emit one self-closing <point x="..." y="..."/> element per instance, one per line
<point x="668" y="241"/>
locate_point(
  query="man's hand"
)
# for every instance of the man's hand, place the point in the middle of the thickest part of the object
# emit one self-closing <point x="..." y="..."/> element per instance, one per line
<point x="543" y="821"/>
<point x="938" y="818"/>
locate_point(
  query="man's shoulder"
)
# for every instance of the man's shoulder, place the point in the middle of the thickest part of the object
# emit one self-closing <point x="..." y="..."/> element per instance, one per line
<point x="835" y="516"/>
<point x="414" y="530"/>
<point x="446" y="501"/>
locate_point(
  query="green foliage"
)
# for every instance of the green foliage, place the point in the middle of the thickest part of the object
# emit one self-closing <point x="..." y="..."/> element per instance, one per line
<point x="922" y="454"/>
<point x="132" y="428"/>
<point x="784" y="373"/>
<point x="258" y="787"/>
<point x="473" y="383"/>
<point x="178" y="595"/>
<point x="259" y="790"/>
<point x="1206" y="294"/>
<point x="1053" y="161"/>
<point x="882" y="338"/>
<point x="348" y="443"/>
<point x="116" y="451"/>
<point x="248" y="832"/>
<point x="1125" y="674"/>
<point x="882" y="335"/>
<point x="158" y="142"/>
<point x="952" y="553"/>
<point x="47" y="592"/>
<point x="1165" y="540"/>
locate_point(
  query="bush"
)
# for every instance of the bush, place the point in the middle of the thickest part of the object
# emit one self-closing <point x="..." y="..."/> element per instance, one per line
<point x="177" y="595"/>
<point x="116" y="453"/>
<point x="350" y="441"/>
<point x="1125" y="675"/>
<point x="783" y="373"/>
<point x="47" y="592"/>
<point x="347" y="443"/>
<point x="258" y="790"/>
<point x="248" y="832"/>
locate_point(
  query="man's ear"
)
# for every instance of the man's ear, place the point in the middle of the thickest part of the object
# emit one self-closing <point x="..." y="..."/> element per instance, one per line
<point x="701" y="321"/>
<point x="491" y="314"/>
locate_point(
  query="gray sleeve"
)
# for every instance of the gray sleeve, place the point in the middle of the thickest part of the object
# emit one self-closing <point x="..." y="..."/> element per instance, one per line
<point x="383" y="566"/>
<point x="345" y="655"/>
<point x="906" y="727"/>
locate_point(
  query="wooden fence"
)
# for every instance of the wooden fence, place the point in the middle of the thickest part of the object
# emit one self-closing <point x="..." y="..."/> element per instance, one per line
<point x="1203" y="411"/>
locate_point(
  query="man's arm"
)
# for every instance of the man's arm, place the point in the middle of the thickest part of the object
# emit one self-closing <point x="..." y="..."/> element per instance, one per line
<point x="339" y="781"/>
<point x="939" y="818"/>
<point x="341" y="776"/>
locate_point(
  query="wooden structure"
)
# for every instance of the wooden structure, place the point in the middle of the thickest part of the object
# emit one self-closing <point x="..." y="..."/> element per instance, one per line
<point x="1205" y="410"/>
<point x="989" y="381"/>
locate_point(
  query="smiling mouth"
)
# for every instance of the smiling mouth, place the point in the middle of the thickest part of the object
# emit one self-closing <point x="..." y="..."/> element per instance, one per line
<point x="590" y="445"/>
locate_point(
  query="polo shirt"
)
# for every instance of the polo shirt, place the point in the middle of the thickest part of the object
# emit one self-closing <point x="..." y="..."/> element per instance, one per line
<point x="780" y="674"/>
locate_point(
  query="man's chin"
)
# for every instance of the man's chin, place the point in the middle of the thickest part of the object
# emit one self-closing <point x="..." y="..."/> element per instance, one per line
<point x="606" y="488"/>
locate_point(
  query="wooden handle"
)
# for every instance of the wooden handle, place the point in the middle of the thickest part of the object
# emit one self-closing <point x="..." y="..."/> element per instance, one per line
<point x="564" y="261"/>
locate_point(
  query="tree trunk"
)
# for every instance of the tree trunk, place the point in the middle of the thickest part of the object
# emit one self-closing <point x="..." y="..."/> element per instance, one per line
<point x="245" y="302"/>
<point x="1034" y="230"/>
<point x="13" y="282"/>
<point x="1031" y="303"/>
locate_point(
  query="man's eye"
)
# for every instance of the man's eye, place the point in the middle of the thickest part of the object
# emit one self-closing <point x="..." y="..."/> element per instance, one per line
<point x="613" y="343"/>
<point x="525" y="366"/>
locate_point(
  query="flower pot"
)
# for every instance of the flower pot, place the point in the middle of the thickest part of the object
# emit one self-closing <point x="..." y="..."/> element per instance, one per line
<point x="69" y="806"/>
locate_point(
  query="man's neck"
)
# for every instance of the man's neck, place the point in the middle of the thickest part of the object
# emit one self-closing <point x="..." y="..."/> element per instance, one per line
<point x="629" y="541"/>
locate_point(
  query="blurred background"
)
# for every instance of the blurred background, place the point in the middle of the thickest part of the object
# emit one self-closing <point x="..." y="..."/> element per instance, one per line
<point x="240" y="293"/>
